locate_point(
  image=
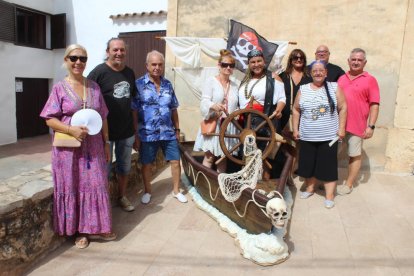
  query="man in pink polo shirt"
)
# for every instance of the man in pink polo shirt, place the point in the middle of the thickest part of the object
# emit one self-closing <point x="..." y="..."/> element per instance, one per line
<point x="362" y="97"/>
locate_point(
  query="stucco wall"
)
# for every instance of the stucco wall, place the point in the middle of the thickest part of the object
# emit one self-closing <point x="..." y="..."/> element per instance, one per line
<point x="91" y="26"/>
<point x="23" y="62"/>
<point x="383" y="28"/>
<point x="400" y="147"/>
<point x="88" y="23"/>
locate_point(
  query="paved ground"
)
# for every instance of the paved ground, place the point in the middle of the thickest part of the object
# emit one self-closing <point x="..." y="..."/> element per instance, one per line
<point x="369" y="232"/>
<point x="26" y="155"/>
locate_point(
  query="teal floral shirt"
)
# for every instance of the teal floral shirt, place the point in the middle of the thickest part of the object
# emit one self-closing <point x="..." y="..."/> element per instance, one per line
<point x="154" y="109"/>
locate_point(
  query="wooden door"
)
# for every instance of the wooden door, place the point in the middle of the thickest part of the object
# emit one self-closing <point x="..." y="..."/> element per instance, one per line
<point x="29" y="103"/>
<point x="138" y="45"/>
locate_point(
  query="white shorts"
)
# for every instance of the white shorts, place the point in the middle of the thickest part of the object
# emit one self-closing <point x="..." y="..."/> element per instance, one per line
<point x="354" y="144"/>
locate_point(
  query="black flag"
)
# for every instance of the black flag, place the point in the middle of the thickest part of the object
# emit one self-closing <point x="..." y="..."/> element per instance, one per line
<point x="242" y="39"/>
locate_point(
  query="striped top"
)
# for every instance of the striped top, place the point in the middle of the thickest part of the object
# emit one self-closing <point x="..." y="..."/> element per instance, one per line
<point x="317" y="123"/>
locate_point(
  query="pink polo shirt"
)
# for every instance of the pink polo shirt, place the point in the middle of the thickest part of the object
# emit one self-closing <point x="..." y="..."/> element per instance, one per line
<point x="360" y="93"/>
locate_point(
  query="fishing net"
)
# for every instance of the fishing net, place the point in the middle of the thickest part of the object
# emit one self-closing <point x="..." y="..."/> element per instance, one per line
<point x="232" y="185"/>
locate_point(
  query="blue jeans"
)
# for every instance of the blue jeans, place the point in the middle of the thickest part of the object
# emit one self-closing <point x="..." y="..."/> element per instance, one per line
<point x="123" y="150"/>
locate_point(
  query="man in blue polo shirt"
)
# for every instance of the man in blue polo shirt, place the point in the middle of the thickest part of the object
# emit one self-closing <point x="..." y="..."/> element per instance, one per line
<point x="155" y="113"/>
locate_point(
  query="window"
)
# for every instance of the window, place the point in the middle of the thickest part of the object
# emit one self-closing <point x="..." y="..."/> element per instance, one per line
<point x="31" y="28"/>
<point x="6" y="21"/>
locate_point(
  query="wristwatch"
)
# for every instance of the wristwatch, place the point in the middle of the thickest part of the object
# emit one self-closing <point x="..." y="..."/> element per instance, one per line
<point x="177" y="129"/>
<point x="371" y="127"/>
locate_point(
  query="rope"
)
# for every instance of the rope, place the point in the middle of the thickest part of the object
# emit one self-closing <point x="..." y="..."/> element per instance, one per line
<point x="232" y="185"/>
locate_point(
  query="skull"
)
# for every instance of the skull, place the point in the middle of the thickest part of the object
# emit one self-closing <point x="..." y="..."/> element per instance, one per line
<point x="244" y="46"/>
<point x="276" y="210"/>
<point x="246" y="42"/>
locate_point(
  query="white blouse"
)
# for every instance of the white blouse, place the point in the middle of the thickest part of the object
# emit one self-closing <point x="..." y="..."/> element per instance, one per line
<point x="259" y="92"/>
<point x="213" y="93"/>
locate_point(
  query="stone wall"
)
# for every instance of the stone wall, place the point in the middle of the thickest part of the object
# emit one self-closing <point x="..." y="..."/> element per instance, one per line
<point x="309" y="24"/>
<point x="26" y="220"/>
<point x="26" y="203"/>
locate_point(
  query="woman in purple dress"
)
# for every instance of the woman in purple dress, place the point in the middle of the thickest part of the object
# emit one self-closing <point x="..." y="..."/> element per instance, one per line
<point x="81" y="201"/>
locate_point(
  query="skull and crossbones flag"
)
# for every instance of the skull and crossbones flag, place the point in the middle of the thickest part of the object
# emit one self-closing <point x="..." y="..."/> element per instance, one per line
<point x="242" y="39"/>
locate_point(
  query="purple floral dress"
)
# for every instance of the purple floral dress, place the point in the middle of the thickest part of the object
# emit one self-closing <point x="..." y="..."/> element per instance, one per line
<point x="81" y="200"/>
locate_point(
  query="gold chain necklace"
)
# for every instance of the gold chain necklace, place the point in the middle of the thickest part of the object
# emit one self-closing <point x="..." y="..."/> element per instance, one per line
<point x="248" y="95"/>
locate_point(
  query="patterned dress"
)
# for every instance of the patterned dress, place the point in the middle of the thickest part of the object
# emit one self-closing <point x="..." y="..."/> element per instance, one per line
<point x="81" y="200"/>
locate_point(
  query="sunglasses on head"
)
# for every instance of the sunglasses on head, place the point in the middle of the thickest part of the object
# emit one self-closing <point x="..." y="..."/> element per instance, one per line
<point x="297" y="58"/>
<point x="225" y="65"/>
<point x="75" y="58"/>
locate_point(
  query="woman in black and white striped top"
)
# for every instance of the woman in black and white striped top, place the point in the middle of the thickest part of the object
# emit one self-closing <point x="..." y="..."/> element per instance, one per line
<point x="319" y="115"/>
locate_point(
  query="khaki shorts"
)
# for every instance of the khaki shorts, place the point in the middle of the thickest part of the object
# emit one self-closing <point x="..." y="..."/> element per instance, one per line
<point x="354" y="145"/>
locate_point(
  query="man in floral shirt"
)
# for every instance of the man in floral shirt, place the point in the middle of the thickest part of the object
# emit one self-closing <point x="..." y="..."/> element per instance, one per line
<point x="155" y="113"/>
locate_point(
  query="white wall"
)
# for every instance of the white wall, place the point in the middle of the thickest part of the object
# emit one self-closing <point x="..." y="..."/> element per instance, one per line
<point x="19" y="61"/>
<point x="88" y="24"/>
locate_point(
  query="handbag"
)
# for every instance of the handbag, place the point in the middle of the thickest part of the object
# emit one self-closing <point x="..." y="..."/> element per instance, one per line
<point x="65" y="140"/>
<point x="208" y="126"/>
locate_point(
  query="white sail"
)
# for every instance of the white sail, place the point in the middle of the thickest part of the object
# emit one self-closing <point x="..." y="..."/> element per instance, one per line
<point x="194" y="74"/>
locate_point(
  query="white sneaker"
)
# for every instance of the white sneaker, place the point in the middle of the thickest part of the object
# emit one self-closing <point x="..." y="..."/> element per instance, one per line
<point x="344" y="190"/>
<point x="126" y="204"/>
<point x="146" y="198"/>
<point x="180" y="197"/>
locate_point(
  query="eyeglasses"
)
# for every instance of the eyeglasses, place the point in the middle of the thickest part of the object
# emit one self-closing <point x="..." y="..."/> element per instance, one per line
<point x="322" y="52"/>
<point x="318" y="71"/>
<point x="75" y="58"/>
<point x="225" y="65"/>
<point x="297" y="58"/>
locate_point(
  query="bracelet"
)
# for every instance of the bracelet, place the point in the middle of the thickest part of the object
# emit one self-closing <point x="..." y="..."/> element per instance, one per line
<point x="176" y="129"/>
<point x="108" y="142"/>
<point x="67" y="131"/>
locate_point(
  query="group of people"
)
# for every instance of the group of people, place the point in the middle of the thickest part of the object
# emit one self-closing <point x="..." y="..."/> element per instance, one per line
<point x="222" y="94"/>
<point x="136" y="113"/>
<point x="319" y="104"/>
<point x="334" y="106"/>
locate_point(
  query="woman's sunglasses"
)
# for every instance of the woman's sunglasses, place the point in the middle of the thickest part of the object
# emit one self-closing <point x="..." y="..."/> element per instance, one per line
<point x="225" y="65"/>
<point x="297" y="58"/>
<point x="75" y="58"/>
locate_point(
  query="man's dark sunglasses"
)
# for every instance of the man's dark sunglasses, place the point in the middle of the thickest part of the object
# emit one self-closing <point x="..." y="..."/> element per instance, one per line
<point x="75" y="58"/>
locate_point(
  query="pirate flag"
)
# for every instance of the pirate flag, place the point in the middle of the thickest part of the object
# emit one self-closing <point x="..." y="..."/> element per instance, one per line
<point x="242" y="39"/>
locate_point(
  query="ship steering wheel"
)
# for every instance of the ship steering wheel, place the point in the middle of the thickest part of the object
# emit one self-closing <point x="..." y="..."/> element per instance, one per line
<point x="244" y="131"/>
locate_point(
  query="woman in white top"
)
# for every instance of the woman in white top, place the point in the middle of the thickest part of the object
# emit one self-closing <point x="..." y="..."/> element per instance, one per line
<point x="256" y="83"/>
<point x="269" y="95"/>
<point x="219" y="94"/>
<point x="319" y="115"/>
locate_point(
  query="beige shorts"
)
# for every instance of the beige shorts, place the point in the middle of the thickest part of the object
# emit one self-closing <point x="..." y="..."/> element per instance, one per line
<point x="354" y="145"/>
